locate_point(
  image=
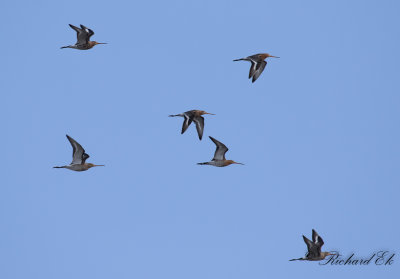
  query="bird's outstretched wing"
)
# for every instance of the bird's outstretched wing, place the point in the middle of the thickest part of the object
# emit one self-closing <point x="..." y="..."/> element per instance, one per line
<point x="317" y="239"/>
<point x="252" y="69"/>
<point x="80" y="35"/>
<point x="220" y="151"/>
<point x="78" y="153"/>
<point x="312" y="249"/>
<point x="89" y="32"/>
<point x="308" y="242"/>
<point x="186" y="123"/>
<point x="259" y="68"/>
<point x="199" y="120"/>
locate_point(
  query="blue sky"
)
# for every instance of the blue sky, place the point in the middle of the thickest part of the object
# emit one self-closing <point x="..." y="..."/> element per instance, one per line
<point x="318" y="132"/>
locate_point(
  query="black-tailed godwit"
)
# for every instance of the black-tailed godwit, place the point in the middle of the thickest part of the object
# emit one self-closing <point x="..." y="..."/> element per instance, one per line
<point x="196" y="116"/>
<point x="219" y="156"/>
<point x="79" y="158"/>
<point x="258" y="64"/>
<point x="83" y="38"/>
<point x="314" y="249"/>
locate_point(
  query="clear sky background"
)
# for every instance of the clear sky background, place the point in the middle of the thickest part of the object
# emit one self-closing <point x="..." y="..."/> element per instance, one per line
<point x="318" y="133"/>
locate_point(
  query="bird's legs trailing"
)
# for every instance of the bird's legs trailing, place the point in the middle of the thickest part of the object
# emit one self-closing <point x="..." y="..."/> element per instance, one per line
<point x="205" y="163"/>
<point x="299" y="259"/>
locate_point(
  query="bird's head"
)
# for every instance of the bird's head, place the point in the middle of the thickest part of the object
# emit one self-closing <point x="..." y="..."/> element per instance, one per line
<point x="266" y="55"/>
<point x="230" y="162"/>
<point x="326" y="254"/>
<point x="90" y="165"/>
<point x="97" y="43"/>
<point x="204" y="112"/>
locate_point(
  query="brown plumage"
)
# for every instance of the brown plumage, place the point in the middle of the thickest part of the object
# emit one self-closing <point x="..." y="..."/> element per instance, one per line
<point x="219" y="156"/>
<point x="83" y="35"/>
<point x="314" y="249"/>
<point x="257" y="64"/>
<point x="79" y="157"/>
<point x="193" y="115"/>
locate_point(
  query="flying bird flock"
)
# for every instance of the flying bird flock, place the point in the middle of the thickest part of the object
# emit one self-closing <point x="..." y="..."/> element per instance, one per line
<point x="258" y="64"/>
<point x="83" y="42"/>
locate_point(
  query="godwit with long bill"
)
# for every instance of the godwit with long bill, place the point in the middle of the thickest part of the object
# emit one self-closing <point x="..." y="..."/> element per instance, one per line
<point x="314" y="249"/>
<point x="219" y="156"/>
<point x="258" y="64"/>
<point x="193" y="115"/>
<point x="83" y="35"/>
<point x="79" y="158"/>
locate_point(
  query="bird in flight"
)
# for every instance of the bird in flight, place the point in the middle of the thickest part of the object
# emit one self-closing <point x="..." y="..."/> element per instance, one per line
<point x="219" y="156"/>
<point x="83" y="35"/>
<point x="314" y="249"/>
<point x="193" y="115"/>
<point x="79" y="158"/>
<point x="258" y="64"/>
